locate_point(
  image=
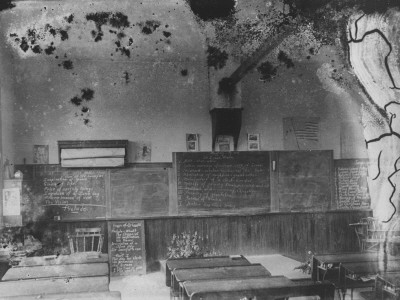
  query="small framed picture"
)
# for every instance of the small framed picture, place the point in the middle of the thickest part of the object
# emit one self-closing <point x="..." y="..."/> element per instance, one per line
<point x="192" y="142"/>
<point x="40" y="154"/>
<point x="224" y="143"/>
<point x="253" y="142"/>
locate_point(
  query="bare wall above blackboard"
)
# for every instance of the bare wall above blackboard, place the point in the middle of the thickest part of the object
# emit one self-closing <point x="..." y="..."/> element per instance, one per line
<point x="222" y="182"/>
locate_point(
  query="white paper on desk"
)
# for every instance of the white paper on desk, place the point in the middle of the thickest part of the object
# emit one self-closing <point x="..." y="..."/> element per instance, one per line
<point x="11" y="202"/>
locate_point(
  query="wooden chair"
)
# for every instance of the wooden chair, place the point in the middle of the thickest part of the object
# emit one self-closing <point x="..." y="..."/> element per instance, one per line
<point x="371" y="233"/>
<point x="86" y="240"/>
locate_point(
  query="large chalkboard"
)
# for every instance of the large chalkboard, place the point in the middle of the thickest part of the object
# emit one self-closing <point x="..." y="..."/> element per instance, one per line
<point x="127" y="248"/>
<point x="304" y="180"/>
<point x="351" y="184"/>
<point x="139" y="192"/>
<point x="52" y="192"/>
<point x="217" y="182"/>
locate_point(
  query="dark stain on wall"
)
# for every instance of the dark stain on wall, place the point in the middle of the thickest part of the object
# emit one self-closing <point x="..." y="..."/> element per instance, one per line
<point x="6" y="4"/>
<point x="184" y="72"/>
<point x="267" y="71"/>
<point x="36" y="49"/>
<point x="167" y="34"/>
<point x="284" y="58"/>
<point x="24" y="44"/>
<point x="87" y="94"/>
<point x="67" y="64"/>
<point x="216" y="57"/>
<point x="76" y="101"/>
<point x="50" y="49"/>
<point x="116" y="20"/>
<point x="149" y="26"/>
<point x="127" y="76"/>
<point x="212" y="9"/>
<point x="70" y="18"/>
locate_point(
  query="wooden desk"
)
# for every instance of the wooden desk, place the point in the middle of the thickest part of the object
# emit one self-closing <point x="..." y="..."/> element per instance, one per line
<point x="327" y="266"/>
<point x="75" y="258"/>
<point x="57" y="271"/>
<point x="203" y="262"/>
<point x="114" y="295"/>
<point x="44" y="276"/>
<point x="358" y="275"/>
<point x="387" y="286"/>
<point x="273" y="287"/>
<point x="182" y="275"/>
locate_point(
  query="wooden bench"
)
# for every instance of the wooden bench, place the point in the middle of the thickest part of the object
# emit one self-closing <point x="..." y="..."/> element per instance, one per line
<point x="182" y="275"/>
<point x="270" y="288"/>
<point x="204" y="262"/>
<point x="115" y="295"/>
<point x="75" y="258"/>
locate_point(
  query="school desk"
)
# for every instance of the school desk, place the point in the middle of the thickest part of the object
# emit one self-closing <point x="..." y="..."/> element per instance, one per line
<point x="55" y="278"/>
<point x="114" y="295"/>
<point x="387" y="286"/>
<point x="182" y="275"/>
<point x="74" y="258"/>
<point x="269" y="288"/>
<point x="203" y="262"/>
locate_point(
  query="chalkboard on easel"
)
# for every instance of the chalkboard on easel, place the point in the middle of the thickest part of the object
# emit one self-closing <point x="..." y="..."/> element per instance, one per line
<point x="219" y="182"/>
<point x="53" y="192"/>
<point x="351" y="185"/>
<point x="127" y="248"/>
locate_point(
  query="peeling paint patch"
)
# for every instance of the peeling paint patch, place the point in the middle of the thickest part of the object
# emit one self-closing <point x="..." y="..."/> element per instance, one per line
<point x="6" y="4"/>
<point x="116" y="20"/>
<point x="127" y="76"/>
<point x="167" y="34"/>
<point x="149" y="26"/>
<point x="70" y="18"/>
<point x="87" y="94"/>
<point x="184" y="72"/>
<point x="267" y="71"/>
<point x="207" y="10"/>
<point x="76" y="101"/>
<point x="67" y="64"/>
<point x="50" y="49"/>
<point x="284" y="58"/>
<point x="216" y="57"/>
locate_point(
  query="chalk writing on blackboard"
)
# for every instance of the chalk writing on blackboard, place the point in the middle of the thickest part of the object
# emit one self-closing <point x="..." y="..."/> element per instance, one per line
<point x="351" y="184"/>
<point x="223" y="180"/>
<point x="127" y="248"/>
<point x="75" y="192"/>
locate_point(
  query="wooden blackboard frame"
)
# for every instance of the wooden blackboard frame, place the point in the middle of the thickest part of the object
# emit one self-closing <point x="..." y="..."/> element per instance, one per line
<point x="143" y="248"/>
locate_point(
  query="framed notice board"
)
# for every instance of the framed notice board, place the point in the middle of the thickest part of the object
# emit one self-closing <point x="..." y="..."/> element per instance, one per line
<point x="126" y="247"/>
<point x="351" y="184"/>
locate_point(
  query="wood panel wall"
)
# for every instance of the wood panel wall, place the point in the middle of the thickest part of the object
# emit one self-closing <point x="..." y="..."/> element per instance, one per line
<point x="288" y="233"/>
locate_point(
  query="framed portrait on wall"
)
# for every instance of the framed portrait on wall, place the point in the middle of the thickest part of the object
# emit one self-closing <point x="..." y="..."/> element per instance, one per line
<point x="224" y="143"/>
<point x="253" y="142"/>
<point x="40" y="154"/>
<point x="192" y="142"/>
<point x="11" y="202"/>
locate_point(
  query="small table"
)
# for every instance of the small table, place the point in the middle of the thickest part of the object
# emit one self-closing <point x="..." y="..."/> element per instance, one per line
<point x="202" y="262"/>
<point x="182" y="275"/>
<point x="273" y="287"/>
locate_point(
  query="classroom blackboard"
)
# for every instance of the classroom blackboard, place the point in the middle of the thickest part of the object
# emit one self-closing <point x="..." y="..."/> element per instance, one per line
<point x="304" y="180"/>
<point x="139" y="192"/>
<point x="127" y="248"/>
<point x="217" y="182"/>
<point x="52" y="192"/>
<point x="351" y="185"/>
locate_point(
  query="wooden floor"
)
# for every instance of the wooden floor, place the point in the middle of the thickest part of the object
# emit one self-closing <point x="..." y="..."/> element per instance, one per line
<point x="152" y="286"/>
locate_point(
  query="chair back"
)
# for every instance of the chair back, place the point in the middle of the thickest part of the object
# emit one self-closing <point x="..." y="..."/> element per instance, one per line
<point x="86" y="240"/>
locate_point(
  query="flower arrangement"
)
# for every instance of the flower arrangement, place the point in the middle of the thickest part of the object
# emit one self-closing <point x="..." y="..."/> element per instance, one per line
<point x="184" y="245"/>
